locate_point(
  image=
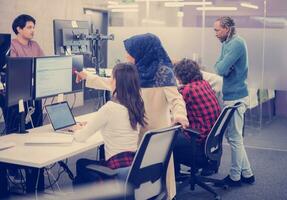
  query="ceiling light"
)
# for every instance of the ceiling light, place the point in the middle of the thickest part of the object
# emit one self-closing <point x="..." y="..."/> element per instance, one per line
<point x="215" y="8"/>
<point x="272" y="20"/>
<point x="113" y="2"/>
<point x="249" y="5"/>
<point x="151" y="21"/>
<point x="181" y="4"/>
<point x="158" y="0"/>
<point x="123" y="6"/>
<point x="124" y="10"/>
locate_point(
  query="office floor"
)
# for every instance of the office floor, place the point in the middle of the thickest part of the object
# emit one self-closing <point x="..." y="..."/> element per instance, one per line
<point x="267" y="151"/>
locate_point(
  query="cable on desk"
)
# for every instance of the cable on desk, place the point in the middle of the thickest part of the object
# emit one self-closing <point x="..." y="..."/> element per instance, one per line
<point x="16" y="185"/>
<point x="51" y="166"/>
<point x="47" y="171"/>
<point x="3" y="131"/>
<point x="64" y="165"/>
<point x="56" y="182"/>
<point x="30" y="111"/>
<point x="75" y="97"/>
<point x="62" y="168"/>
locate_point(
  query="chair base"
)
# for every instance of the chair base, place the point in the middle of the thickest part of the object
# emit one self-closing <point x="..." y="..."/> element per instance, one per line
<point x="201" y="182"/>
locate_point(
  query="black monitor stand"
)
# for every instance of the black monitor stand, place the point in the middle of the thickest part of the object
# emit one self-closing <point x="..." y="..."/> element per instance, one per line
<point x="22" y="128"/>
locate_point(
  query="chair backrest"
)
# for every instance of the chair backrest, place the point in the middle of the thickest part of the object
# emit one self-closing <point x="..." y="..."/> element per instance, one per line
<point x="213" y="144"/>
<point x="147" y="175"/>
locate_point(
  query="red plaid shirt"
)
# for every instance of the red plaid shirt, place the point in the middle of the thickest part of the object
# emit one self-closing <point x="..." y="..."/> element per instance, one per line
<point x="120" y="160"/>
<point x="202" y="107"/>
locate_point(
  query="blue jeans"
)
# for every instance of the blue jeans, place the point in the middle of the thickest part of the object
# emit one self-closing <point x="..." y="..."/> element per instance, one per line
<point x="239" y="160"/>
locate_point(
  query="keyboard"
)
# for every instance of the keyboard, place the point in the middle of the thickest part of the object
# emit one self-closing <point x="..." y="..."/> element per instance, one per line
<point x="50" y="140"/>
<point x="6" y="145"/>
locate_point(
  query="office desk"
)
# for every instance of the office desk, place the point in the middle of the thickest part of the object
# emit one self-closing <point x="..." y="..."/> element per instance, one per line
<point x="39" y="156"/>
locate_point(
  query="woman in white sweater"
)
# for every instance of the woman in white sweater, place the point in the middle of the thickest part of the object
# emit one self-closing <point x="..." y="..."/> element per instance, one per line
<point x="118" y="120"/>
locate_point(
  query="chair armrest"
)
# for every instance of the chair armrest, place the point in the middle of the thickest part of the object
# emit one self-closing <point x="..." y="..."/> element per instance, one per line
<point x="192" y="132"/>
<point x="102" y="170"/>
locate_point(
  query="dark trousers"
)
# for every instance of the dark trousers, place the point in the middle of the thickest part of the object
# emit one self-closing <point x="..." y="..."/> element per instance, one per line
<point x="84" y="175"/>
<point x="182" y="153"/>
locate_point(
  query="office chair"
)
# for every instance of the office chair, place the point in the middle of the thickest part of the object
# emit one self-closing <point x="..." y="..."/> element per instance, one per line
<point x="147" y="175"/>
<point x="212" y="152"/>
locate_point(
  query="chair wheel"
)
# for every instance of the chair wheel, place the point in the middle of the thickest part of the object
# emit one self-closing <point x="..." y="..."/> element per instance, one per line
<point x="217" y="197"/>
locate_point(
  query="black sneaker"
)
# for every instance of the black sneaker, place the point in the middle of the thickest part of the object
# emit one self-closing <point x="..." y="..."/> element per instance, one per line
<point x="249" y="180"/>
<point x="227" y="181"/>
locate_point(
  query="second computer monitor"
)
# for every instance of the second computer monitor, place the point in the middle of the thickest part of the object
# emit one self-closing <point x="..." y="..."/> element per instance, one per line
<point x="53" y="76"/>
<point x="5" y="42"/>
<point x="18" y="80"/>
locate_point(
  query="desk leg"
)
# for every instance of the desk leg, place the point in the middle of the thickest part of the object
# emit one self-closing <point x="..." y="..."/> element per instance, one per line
<point x="34" y="179"/>
<point x="3" y="181"/>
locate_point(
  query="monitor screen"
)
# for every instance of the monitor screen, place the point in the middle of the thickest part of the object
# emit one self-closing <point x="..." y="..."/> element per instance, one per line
<point x="5" y="42"/>
<point x="60" y="115"/>
<point x="53" y="76"/>
<point x="18" y="80"/>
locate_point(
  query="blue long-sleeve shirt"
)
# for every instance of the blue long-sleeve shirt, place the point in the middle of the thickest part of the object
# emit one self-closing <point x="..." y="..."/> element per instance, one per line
<point x="232" y="65"/>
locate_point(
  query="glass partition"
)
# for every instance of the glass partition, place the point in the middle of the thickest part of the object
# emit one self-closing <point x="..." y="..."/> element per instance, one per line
<point x="186" y="30"/>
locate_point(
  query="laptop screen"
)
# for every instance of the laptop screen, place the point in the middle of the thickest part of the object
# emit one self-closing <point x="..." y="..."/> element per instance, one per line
<point x="60" y="115"/>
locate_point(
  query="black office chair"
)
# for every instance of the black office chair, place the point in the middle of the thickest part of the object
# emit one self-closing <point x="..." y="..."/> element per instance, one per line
<point x="212" y="151"/>
<point x="147" y="174"/>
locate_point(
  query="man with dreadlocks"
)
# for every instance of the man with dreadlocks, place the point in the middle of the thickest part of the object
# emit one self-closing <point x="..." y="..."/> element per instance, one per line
<point x="232" y="65"/>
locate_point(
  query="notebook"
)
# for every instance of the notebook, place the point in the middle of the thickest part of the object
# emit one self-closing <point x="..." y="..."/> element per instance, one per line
<point x="61" y="117"/>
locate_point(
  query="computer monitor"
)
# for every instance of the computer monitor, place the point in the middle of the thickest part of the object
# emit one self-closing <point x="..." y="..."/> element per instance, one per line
<point x="5" y="42"/>
<point x="70" y="37"/>
<point x="18" y="80"/>
<point x="53" y="76"/>
<point x="78" y="65"/>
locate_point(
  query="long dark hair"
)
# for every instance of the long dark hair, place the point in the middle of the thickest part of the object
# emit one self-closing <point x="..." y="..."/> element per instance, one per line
<point x="128" y="92"/>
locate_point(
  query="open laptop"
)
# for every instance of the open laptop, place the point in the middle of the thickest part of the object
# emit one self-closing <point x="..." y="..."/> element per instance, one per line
<point x="61" y="117"/>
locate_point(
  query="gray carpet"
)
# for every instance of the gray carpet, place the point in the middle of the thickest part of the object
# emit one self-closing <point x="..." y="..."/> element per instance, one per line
<point x="266" y="149"/>
<point x="267" y="152"/>
<point x="270" y="171"/>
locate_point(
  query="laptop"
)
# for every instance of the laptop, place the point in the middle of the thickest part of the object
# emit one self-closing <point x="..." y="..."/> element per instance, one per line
<point x="61" y="117"/>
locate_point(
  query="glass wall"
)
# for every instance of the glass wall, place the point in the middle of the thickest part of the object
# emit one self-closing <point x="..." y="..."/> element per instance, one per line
<point x="186" y="30"/>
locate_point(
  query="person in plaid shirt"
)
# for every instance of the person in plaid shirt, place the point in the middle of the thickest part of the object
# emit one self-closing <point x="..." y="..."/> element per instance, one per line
<point x="202" y="107"/>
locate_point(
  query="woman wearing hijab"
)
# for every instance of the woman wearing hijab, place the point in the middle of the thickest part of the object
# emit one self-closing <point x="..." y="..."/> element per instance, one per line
<point x="164" y="105"/>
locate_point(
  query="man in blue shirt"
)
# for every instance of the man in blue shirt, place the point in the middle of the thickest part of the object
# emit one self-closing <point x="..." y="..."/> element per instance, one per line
<point x="232" y="65"/>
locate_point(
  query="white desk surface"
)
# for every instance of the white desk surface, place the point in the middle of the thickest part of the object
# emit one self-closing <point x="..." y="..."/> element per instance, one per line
<point x="43" y="155"/>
